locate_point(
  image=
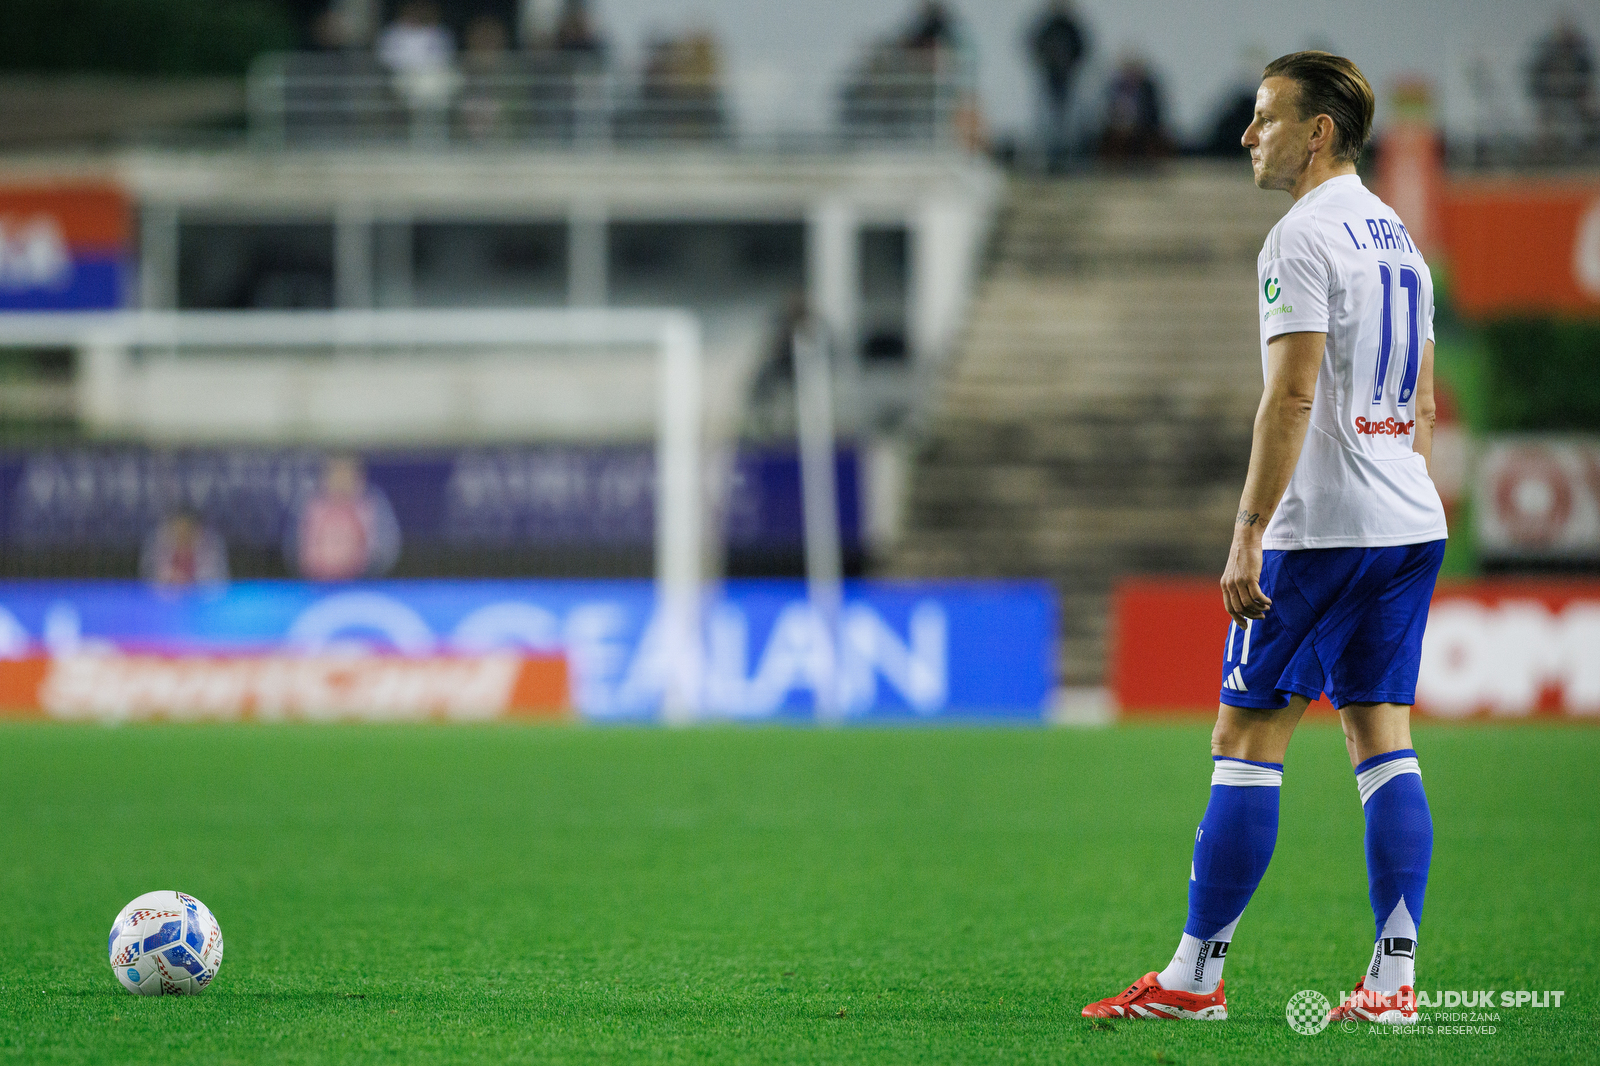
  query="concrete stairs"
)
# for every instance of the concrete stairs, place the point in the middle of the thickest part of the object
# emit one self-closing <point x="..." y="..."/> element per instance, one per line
<point x="1095" y="421"/>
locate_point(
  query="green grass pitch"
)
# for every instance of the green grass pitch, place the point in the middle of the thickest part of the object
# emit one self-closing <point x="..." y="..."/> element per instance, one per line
<point x="549" y="895"/>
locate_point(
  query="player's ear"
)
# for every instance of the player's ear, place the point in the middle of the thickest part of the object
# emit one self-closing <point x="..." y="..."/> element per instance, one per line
<point x="1323" y="132"/>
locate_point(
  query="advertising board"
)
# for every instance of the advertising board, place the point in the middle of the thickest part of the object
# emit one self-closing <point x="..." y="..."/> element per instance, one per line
<point x="473" y="649"/>
<point x="62" y="247"/>
<point x="513" y="496"/>
<point x="1521" y="246"/>
<point x="1538" y="498"/>
<point x="1493" y="648"/>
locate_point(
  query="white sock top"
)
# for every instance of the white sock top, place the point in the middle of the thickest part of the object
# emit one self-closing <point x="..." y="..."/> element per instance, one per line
<point x="1369" y="781"/>
<point x="1240" y="773"/>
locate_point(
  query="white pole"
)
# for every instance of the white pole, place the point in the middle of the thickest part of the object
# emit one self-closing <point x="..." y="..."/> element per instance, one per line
<point x="352" y="256"/>
<point x="833" y="270"/>
<point x="587" y="254"/>
<point x="813" y="389"/>
<point x="158" y="257"/>
<point x="394" y="283"/>
<point x="101" y="382"/>
<point x="678" y="516"/>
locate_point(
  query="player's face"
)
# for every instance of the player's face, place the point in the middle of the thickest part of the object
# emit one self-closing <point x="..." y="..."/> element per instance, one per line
<point x="1278" y="138"/>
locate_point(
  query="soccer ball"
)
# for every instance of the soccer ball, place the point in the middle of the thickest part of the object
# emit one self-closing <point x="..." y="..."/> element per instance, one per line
<point x="165" y="943"/>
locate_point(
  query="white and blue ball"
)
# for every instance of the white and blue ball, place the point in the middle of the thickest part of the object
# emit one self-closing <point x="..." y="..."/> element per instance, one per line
<point x="165" y="943"/>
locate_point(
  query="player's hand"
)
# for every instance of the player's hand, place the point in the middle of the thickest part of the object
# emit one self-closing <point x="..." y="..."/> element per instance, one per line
<point x="1241" y="581"/>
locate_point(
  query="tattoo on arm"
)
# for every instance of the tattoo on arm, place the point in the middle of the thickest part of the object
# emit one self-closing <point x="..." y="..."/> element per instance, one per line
<point x="1247" y="518"/>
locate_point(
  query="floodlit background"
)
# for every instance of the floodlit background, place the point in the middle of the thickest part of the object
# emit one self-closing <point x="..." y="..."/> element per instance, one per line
<point x="473" y="357"/>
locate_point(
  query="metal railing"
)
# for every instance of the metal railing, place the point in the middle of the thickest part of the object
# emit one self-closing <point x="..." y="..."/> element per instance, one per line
<point x="552" y="100"/>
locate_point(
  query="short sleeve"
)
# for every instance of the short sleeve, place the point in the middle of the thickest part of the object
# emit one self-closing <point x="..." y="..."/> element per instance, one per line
<point x="1430" y="321"/>
<point x="1294" y="285"/>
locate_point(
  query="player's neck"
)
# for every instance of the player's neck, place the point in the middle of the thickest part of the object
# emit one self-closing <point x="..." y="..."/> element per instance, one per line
<point x="1318" y="171"/>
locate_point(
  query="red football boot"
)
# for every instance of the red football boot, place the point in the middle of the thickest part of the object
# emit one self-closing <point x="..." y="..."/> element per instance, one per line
<point x="1385" y="1008"/>
<point x="1147" y="999"/>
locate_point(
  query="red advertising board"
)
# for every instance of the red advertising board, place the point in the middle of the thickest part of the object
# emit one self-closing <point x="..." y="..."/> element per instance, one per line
<point x="1506" y="649"/>
<point x="90" y="218"/>
<point x="1522" y="246"/>
<point x="1512" y="649"/>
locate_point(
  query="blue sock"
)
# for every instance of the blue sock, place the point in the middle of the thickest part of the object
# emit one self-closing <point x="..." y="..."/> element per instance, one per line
<point x="1399" y="847"/>
<point x="1231" y="851"/>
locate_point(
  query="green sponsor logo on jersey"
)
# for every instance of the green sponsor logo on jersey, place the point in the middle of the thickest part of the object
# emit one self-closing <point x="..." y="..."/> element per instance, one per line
<point x="1271" y="290"/>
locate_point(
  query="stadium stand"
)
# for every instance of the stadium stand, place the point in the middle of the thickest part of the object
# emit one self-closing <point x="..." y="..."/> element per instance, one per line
<point x="1095" y="419"/>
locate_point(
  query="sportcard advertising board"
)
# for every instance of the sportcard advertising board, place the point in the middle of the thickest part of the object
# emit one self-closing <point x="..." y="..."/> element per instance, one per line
<point x="62" y="247"/>
<point x="1506" y="649"/>
<point x="482" y="649"/>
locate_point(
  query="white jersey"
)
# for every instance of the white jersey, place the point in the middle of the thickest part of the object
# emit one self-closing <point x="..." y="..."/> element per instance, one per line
<point x="1341" y="263"/>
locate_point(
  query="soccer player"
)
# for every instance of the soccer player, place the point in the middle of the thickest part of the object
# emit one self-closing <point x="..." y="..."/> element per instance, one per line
<point x="1336" y="546"/>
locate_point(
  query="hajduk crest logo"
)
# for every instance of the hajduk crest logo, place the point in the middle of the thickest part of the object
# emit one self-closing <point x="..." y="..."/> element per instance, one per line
<point x="1307" y="1012"/>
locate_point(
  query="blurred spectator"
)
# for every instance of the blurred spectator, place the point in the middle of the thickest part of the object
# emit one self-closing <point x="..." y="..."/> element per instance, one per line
<point x="778" y="366"/>
<point x="419" y="50"/>
<point x="575" y="30"/>
<point x="1058" y="47"/>
<point x="1238" y="110"/>
<point x="486" y="42"/>
<point x="887" y="95"/>
<point x="484" y="104"/>
<point x="1559" y="81"/>
<point x="563" y="101"/>
<point x="347" y="530"/>
<point x="931" y="28"/>
<point x="183" y="552"/>
<point x="772" y="391"/>
<point x="681" y="90"/>
<point x="1133" y="129"/>
<point x="416" y="40"/>
<point x="1237" y="107"/>
<point x="307" y="16"/>
<point x="907" y="87"/>
<point x="331" y="31"/>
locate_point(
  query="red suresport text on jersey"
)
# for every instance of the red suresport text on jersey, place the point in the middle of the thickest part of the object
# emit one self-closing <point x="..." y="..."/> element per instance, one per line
<point x="1389" y="427"/>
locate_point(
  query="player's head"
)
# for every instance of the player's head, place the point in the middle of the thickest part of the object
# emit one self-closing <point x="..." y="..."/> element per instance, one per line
<point x="1310" y="105"/>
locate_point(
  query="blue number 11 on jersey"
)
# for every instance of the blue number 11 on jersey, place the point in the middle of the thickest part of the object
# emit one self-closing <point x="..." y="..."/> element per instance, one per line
<point x="1412" y="284"/>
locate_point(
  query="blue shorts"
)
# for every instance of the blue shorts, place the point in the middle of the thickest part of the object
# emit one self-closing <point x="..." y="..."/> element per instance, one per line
<point x="1344" y="621"/>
